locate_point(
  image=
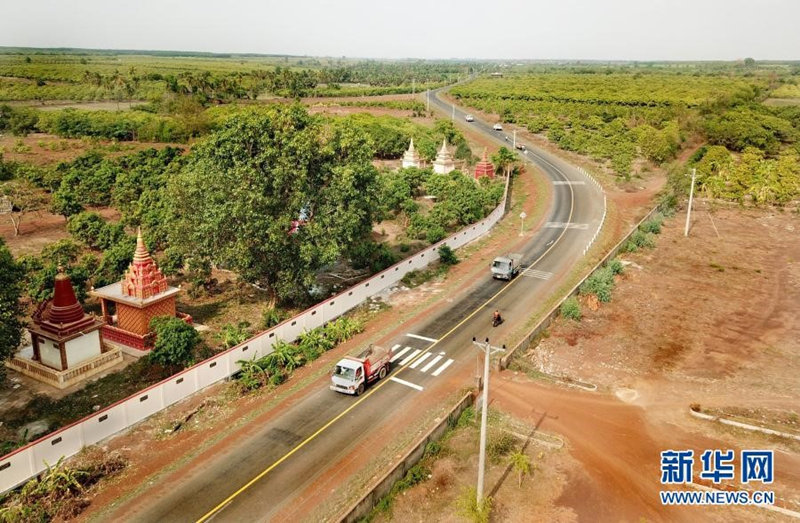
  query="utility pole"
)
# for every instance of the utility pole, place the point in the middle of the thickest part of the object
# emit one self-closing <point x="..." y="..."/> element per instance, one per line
<point x="428" y="101"/>
<point x="487" y="349"/>
<point x="689" y="209"/>
<point x="453" y="116"/>
<point x="413" y="87"/>
<point x="515" y="139"/>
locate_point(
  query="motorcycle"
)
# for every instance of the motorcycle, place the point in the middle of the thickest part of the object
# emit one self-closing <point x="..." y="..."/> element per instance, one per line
<point x="496" y="319"/>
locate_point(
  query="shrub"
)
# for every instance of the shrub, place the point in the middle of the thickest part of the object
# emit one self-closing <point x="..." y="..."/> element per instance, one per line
<point x="643" y="239"/>
<point x="416" y="474"/>
<point x="175" y="340"/>
<point x="653" y="225"/>
<point x="232" y="335"/>
<point x="342" y="329"/>
<point x="571" y="309"/>
<point x="600" y="283"/>
<point x="616" y="266"/>
<point x="447" y="256"/>
<point x="272" y="316"/>
<point x="500" y="444"/>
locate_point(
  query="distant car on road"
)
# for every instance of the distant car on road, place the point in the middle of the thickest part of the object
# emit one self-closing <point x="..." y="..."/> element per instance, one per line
<point x="469" y="118"/>
<point x="497" y="127"/>
<point x="520" y="146"/>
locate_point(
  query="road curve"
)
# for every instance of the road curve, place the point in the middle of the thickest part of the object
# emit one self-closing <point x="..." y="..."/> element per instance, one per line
<point x="268" y="470"/>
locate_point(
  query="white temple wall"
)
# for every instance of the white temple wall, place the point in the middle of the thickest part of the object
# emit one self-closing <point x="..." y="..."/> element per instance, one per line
<point x="82" y="348"/>
<point x="51" y="356"/>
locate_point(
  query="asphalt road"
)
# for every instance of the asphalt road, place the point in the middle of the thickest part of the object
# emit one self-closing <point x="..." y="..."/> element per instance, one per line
<point x="275" y="462"/>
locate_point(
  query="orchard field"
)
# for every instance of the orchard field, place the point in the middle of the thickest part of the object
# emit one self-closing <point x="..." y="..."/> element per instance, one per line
<point x="631" y="120"/>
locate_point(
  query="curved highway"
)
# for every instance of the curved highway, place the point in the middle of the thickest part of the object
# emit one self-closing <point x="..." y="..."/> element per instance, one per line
<point x="272" y="465"/>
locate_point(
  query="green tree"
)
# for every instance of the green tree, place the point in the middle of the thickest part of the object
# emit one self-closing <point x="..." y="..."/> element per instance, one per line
<point x="66" y="203"/>
<point x="25" y="198"/>
<point x="175" y="341"/>
<point x="521" y="463"/>
<point x="11" y="275"/>
<point x="115" y="260"/>
<point x="504" y="160"/>
<point x="255" y="177"/>
<point x="6" y="169"/>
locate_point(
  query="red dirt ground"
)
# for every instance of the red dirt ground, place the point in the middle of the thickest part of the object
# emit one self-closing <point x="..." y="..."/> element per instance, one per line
<point x="37" y="231"/>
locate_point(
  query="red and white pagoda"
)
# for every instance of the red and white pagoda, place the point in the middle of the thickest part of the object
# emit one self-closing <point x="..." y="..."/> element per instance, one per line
<point x="67" y="344"/>
<point x="484" y="167"/>
<point x="129" y="305"/>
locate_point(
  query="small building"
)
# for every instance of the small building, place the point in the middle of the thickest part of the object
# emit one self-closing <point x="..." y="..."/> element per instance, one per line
<point x="129" y="305"/>
<point x="67" y="344"/>
<point x="411" y="157"/>
<point x="443" y="163"/>
<point x="484" y="167"/>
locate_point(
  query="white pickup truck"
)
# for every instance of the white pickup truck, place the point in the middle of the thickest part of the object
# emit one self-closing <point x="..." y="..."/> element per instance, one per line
<point x="506" y="267"/>
<point x="352" y="373"/>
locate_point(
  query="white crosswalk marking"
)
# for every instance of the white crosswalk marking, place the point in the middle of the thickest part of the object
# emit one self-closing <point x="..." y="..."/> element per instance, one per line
<point x="425" y="338"/>
<point x="540" y="275"/>
<point x="565" y="225"/>
<point x="397" y="355"/>
<point x="410" y="357"/>
<point x="444" y="366"/>
<point x="433" y="362"/>
<point x="421" y="359"/>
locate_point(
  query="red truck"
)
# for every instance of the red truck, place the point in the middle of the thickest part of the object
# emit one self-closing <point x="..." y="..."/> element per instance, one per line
<point x="352" y="373"/>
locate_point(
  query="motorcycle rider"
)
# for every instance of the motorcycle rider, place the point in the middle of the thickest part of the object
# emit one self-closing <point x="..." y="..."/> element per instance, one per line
<point x="496" y="319"/>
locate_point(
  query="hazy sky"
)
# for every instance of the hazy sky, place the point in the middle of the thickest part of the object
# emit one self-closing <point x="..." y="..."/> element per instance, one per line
<point x="573" y="29"/>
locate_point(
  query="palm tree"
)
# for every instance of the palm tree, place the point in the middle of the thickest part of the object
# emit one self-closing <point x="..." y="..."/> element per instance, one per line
<point x="504" y="161"/>
<point x="521" y="463"/>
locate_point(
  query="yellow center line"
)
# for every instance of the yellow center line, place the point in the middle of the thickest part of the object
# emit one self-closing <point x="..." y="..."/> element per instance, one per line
<point x="380" y="384"/>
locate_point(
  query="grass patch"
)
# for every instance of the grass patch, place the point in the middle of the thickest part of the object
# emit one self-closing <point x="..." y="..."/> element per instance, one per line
<point x="416" y="278"/>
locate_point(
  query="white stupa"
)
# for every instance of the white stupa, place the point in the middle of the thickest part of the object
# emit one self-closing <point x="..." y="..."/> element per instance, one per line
<point x="443" y="163"/>
<point x="411" y="156"/>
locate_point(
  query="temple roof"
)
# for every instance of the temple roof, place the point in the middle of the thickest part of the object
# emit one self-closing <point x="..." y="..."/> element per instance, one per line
<point x="411" y="156"/>
<point x="62" y="315"/>
<point x="143" y="282"/>
<point x="444" y="154"/>
<point x="143" y="279"/>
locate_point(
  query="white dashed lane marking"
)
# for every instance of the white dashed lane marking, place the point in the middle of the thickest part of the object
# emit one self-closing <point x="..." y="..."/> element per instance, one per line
<point x="539" y="275"/>
<point x="406" y="383"/>
<point x="565" y="225"/>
